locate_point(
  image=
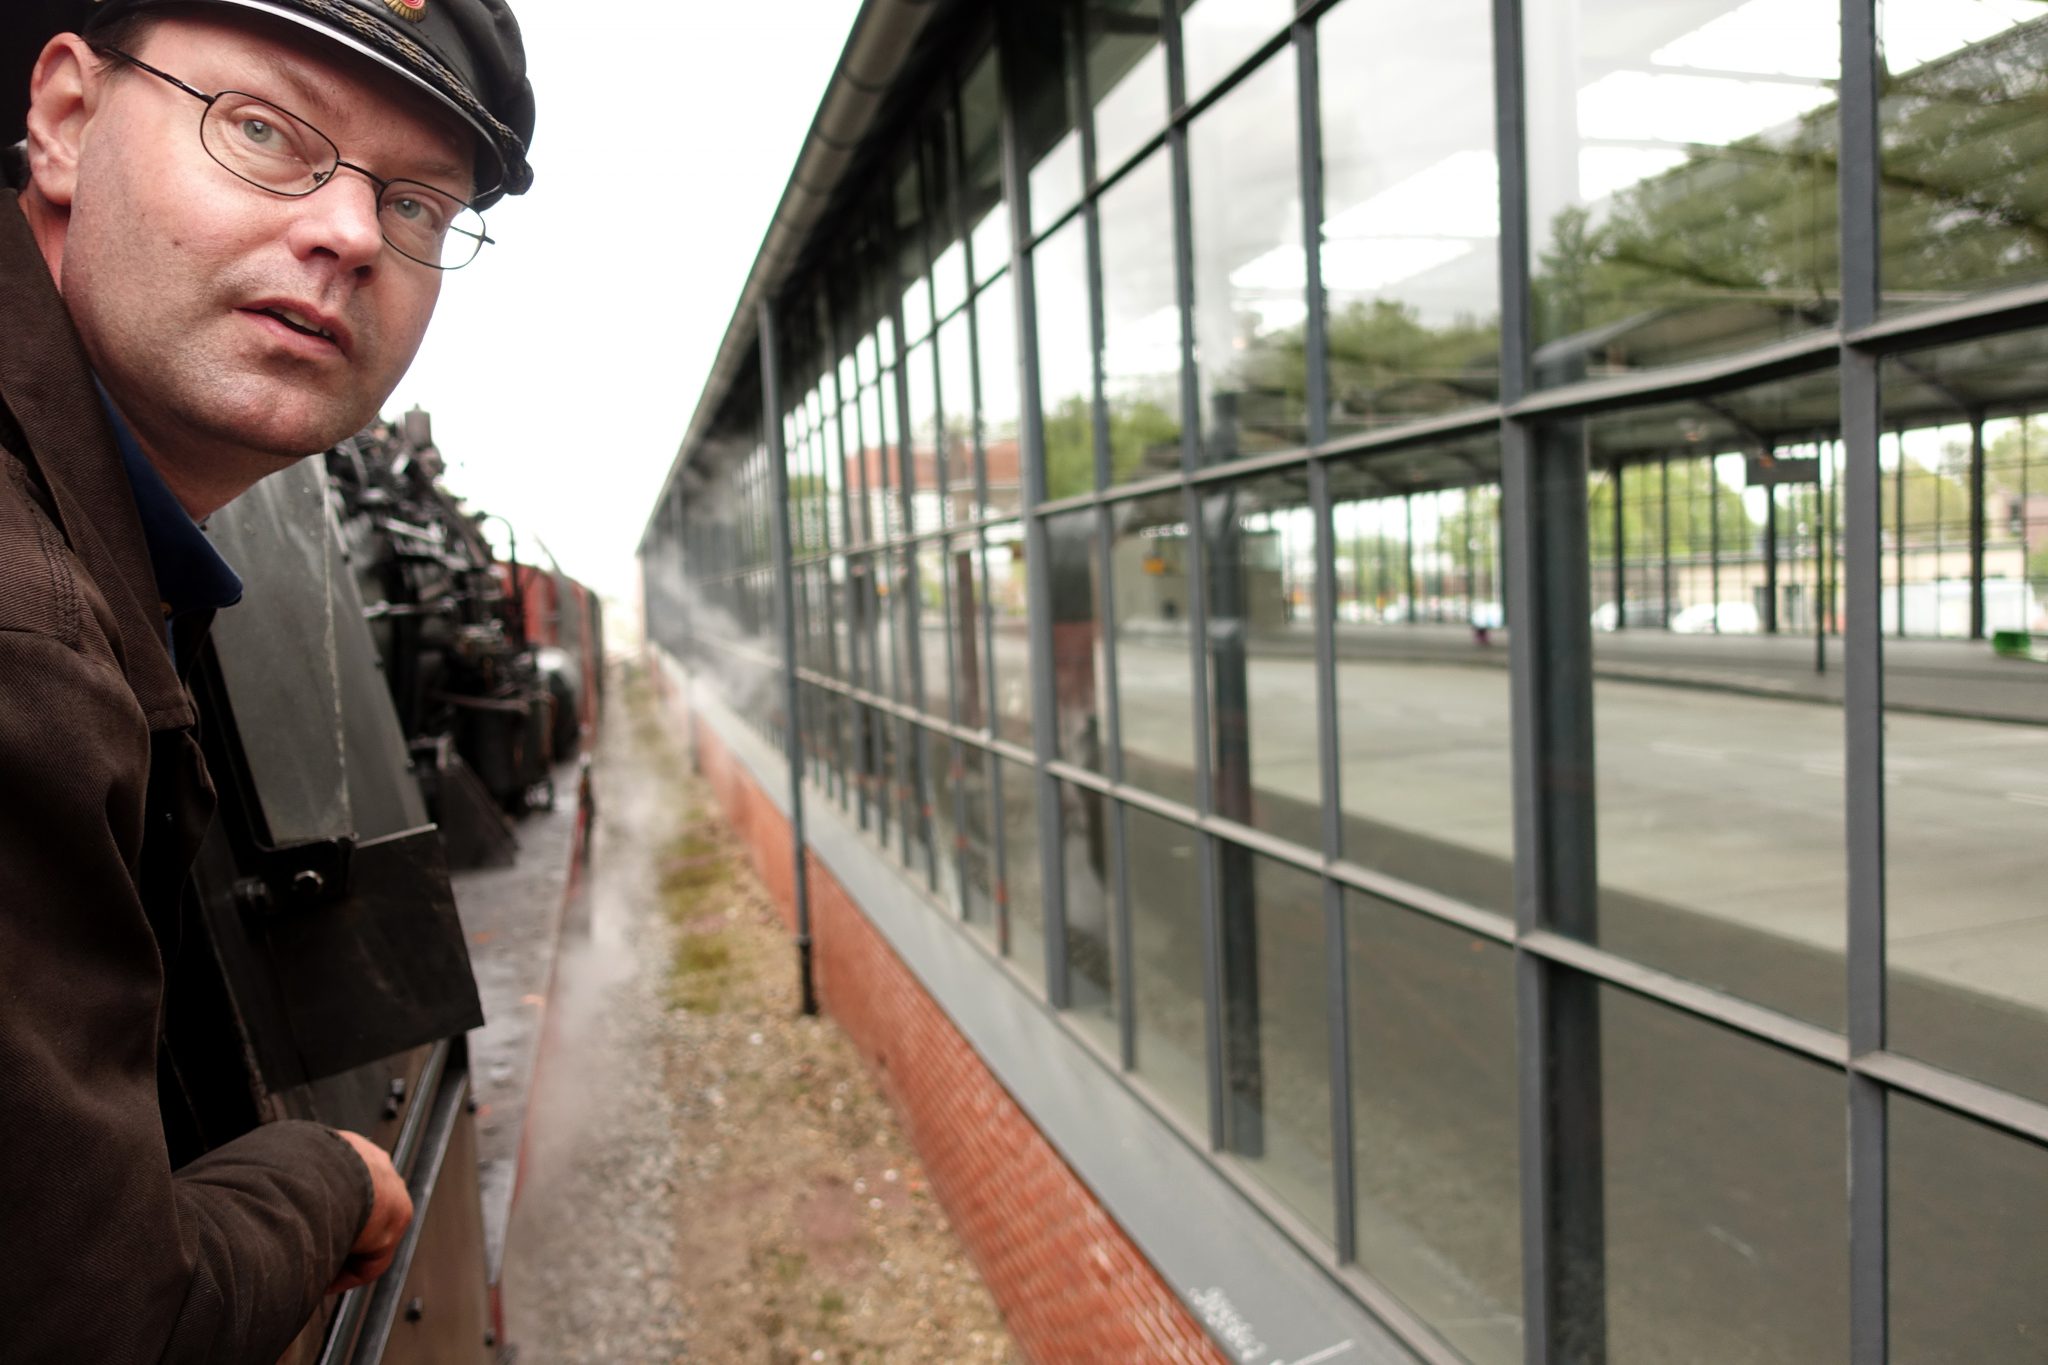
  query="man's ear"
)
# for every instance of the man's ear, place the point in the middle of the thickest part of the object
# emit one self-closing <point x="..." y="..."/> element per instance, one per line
<point x="63" y="93"/>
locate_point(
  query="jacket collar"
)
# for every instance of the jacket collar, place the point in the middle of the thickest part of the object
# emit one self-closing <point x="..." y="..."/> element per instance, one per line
<point x="46" y="382"/>
<point x="190" y="574"/>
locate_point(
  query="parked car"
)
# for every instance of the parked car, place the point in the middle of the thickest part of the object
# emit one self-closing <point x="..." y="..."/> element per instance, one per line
<point x="1638" y="614"/>
<point x="1703" y="618"/>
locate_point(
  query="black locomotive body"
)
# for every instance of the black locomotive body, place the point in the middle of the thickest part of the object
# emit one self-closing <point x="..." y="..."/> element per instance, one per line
<point x="375" y="679"/>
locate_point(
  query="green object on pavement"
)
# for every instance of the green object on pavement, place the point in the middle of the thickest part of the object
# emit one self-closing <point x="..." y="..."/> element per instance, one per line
<point x="2018" y="644"/>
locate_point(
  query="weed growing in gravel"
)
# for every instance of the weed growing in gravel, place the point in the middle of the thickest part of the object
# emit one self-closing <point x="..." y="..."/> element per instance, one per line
<point x="699" y="974"/>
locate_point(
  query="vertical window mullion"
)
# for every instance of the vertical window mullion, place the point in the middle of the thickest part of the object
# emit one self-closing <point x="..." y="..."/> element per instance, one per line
<point x="1323" y="528"/>
<point x="1863" y="687"/>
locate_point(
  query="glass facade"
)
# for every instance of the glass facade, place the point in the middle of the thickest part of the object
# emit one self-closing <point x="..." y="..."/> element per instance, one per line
<point x="1471" y="614"/>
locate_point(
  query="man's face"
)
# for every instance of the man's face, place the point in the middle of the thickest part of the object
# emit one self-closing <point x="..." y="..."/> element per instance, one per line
<point x="176" y="272"/>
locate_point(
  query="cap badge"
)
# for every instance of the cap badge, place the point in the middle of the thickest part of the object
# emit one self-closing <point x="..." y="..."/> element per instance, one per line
<point x="410" y="10"/>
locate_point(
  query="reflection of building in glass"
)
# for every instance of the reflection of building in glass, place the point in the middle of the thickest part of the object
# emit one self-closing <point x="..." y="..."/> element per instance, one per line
<point x="1163" y="405"/>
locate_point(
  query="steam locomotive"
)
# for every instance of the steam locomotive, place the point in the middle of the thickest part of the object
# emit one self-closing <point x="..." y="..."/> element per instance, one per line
<point x="386" y="702"/>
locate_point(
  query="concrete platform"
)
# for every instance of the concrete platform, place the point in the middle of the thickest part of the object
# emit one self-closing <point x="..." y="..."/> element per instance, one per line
<point x="514" y="917"/>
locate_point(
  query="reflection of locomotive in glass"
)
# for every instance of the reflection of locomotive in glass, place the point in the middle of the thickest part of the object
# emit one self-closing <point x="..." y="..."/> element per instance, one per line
<point x="380" y="686"/>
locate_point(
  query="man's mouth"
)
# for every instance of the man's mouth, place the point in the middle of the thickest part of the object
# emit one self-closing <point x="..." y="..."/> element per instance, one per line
<point x="299" y="322"/>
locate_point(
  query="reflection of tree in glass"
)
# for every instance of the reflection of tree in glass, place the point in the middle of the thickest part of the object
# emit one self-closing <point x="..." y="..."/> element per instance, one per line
<point x="1386" y="366"/>
<point x="1144" y="438"/>
<point x="1965" y="199"/>
<point x="1748" y="230"/>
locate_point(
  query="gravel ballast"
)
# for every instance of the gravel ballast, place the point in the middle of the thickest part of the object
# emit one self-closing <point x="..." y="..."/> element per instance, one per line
<point x="709" y="1175"/>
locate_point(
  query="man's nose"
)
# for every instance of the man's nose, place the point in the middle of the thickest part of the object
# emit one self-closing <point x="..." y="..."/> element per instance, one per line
<point x="340" y="220"/>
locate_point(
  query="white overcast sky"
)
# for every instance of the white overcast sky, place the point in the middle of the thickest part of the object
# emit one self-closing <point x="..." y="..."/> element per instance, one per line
<point x="562" y="368"/>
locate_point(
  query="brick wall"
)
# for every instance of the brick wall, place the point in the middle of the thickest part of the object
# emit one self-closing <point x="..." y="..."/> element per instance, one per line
<point x="1074" y="1289"/>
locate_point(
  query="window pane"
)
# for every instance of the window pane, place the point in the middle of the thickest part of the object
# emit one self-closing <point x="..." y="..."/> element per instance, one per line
<point x="1422" y="686"/>
<point x="995" y="340"/>
<point x="1718" y="761"/>
<point x="946" y="833"/>
<point x="887" y="676"/>
<point x="1682" y="182"/>
<point x="1961" y="124"/>
<point x="1025" y="944"/>
<point x="832" y="469"/>
<point x="934" y="617"/>
<point x="882" y="745"/>
<point x="978" y="832"/>
<point x="916" y="773"/>
<point x="944" y="238"/>
<point x="949" y="278"/>
<point x="1259" y="538"/>
<point x="1007" y="602"/>
<point x="949" y="248"/>
<point x="1166" y="964"/>
<point x="1411" y="209"/>
<point x="863" y="465"/>
<point x="1155" y="710"/>
<point x="1967" y="1258"/>
<point x="1141" y="324"/>
<point x="1250" y="287"/>
<point x="1726" y="1209"/>
<point x="1065" y="369"/>
<point x="1077" y="639"/>
<point x="1126" y="77"/>
<point x="1218" y="34"/>
<point x="1036" y="57"/>
<point x="1433" y="1113"/>
<point x="1091" y="957"/>
<point x="1056" y="182"/>
<point x="1966" y="788"/>
<point x="1276" y="1034"/>
<point x="910" y="257"/>
<point x="986" y="215"/>
<point x="925" y="500"/>
<point x="956" y="401"/>
<point x="970" y="652"/>
<point x="885" y="344"/>
<point x="884" y="515"/>
<point x="839" y="646"/>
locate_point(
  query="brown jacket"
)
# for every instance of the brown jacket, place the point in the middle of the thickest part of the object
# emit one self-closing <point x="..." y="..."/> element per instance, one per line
<point x="106" y="1255"/>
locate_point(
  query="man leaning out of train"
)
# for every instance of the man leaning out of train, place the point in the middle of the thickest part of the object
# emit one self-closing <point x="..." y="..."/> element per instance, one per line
<point x="197" y="289"/>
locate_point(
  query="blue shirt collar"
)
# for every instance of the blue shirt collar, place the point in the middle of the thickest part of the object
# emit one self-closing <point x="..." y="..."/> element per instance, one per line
<point x="190" y="574"/>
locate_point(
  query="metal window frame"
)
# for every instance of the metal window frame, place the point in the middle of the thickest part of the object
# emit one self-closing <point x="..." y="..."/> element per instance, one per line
<point x="1558" y="966"/>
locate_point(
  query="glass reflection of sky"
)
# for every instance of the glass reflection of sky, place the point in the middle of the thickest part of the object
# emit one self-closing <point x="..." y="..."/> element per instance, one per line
<point x="1414" y="212"/>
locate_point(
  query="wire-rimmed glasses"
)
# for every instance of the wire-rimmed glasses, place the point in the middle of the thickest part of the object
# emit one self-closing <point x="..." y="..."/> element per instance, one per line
<point x="275" y="150"/>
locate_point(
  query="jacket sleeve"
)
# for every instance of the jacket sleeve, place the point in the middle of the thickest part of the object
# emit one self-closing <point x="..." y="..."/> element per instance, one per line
<point x="106" y="1255"/>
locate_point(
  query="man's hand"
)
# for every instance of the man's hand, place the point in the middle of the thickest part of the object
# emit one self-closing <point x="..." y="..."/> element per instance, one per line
<point x="391" y="1210"/>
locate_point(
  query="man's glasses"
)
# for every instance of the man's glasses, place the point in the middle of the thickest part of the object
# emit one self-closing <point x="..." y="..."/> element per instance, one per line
<point x="278" y="151"/>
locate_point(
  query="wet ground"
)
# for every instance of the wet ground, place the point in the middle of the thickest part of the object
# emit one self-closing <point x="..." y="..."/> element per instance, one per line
<point x="709" y="1176"/>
